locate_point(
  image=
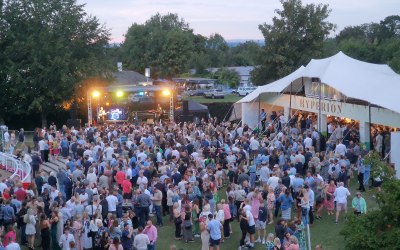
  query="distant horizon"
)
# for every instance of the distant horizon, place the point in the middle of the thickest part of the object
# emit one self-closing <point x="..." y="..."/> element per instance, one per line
<point x="238" y="41"/>
<point x="232" y="19"/>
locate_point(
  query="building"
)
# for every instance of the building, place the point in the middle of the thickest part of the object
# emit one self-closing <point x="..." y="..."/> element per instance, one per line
<point x="243" y="72"/>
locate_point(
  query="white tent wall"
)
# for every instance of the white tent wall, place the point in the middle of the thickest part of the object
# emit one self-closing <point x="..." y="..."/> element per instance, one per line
<point x="395" y="152"/>
<point x="250" y="114"/>
<point x="236" y="112"/>
<point x="251" y="110"/>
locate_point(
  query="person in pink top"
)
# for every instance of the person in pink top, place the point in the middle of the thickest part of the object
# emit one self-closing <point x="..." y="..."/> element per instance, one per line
<point x="116" y="244"/>
<point x="293" y="245"/>
<point x="151" y="232"/>
<point x="256" y="199"/>
<point x="9" y="235"/>
<point x="227" y="219"/>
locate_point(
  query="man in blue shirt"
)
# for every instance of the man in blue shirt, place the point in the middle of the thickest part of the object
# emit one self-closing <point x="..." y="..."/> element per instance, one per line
<point x="309" y="179"/>
<point x="8" y="214"/>
<point x="204" y="143"/>
<point x="214" y="228"/>
<point x="297" y="183"/>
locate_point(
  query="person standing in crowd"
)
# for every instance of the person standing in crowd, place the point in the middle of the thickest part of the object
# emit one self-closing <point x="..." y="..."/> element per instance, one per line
<point x="151" y="232"/>
<point x="286" y="202"/>
<point x="261" y="223"/>
<point x="179" y="168"/>
<point x="214" y="227"/>
<point x="65" y="239"/>
<point x="157" y="199"/>
<point x="30" y="228"/>
<point x="141" y="240"/>
<point x="45" y="232"/>
<point x="12" y="245"/>
<point x="341" y="194"/>
<point x="263" y="119"/>
<point x="359" y="205"/>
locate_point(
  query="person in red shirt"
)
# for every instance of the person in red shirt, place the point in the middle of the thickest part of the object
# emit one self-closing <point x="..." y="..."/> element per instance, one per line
<point x="20" y="193"/>
<point x="127" y="190"/>
<point x="6" y="194"/>
<point x="120" y="176"/>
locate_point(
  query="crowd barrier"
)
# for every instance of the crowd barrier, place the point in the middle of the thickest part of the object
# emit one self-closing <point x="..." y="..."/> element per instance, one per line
<point x="19" y="168"/>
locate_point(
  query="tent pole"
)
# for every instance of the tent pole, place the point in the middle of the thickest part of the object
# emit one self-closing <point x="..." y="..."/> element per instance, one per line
<point x="319" y="113"/>
<point x="369" y="124"/>
<point x="290" y="101"/>
<point x="259" y="117"/>
<point x="228" y="112"/>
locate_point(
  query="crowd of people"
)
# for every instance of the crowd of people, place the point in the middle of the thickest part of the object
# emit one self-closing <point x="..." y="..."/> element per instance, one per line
<point x="122" y="183"/>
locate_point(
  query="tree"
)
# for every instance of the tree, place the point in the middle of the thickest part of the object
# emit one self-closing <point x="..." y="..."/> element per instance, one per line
<point x="373" y="42"/>
<point x="380" y="228"/>
<point x="295" y="36"/>
<point x="47" y="48"/>
<point x="163" y="43"/>
<point x="227" y="76"/>
<point x="217" y="48"/>
<point x="175" y="54"/>
<point x="246" y="54"/>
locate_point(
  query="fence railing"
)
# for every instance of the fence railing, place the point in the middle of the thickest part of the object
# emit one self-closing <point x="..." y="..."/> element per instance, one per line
<point x="18" y="168"/>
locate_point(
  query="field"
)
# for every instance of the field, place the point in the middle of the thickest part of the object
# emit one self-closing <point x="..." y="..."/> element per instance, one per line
<point x="324" y="231"/>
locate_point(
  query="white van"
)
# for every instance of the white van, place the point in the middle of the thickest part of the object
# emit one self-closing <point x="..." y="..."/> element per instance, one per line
<point x="242" y="91"/>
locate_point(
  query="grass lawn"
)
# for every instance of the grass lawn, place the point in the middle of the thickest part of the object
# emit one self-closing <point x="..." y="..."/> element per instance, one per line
<point x="324" y="231"/>
<point x="201" y="99"/>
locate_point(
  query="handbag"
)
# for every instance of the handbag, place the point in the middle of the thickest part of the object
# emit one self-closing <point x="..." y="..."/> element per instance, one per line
<point x="187" y="224"/>
<point x="178" y="220"/>
<point x="91" y="234"/>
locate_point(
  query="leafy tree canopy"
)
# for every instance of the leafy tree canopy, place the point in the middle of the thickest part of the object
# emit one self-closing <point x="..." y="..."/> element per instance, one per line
<point x="227" y="76"/>
<point x="47" y="48"/>
<point x="163" y="43"/>
<point x="380" y="228"/>
<point x="167" y="45"/>
<point x="373" y="42"/>
<point x="295" y="36"/>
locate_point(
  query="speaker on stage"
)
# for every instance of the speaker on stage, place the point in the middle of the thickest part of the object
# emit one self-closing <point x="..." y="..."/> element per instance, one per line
<point x="185" y="108"/>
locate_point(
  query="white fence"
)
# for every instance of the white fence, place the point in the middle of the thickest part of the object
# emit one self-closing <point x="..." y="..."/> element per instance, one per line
<point x="18" y="168"/>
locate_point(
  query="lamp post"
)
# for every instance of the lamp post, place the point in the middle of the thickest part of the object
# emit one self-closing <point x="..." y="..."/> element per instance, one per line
<point x="171" y="103"/>
<point x="95" y="94"/>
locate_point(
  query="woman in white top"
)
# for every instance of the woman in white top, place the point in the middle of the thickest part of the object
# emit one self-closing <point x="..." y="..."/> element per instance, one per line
<point x="305" y="207"/>
<point x="30" y="229"/>
<point x="60" y="224"/>
<point x="205" y="235"/>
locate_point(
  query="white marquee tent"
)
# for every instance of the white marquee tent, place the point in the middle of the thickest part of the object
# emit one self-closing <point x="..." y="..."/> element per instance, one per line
<point x="373" y="83"/>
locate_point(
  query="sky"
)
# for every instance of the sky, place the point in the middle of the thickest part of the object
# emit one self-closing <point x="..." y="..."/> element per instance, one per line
<point x="233" y="19"/>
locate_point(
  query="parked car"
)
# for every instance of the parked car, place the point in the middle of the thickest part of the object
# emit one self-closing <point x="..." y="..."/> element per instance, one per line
<point x="229" y="91"/>
<point x="215" y="93"/>
<point x="243" y="91"/>
<point x="195" y="92"/>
